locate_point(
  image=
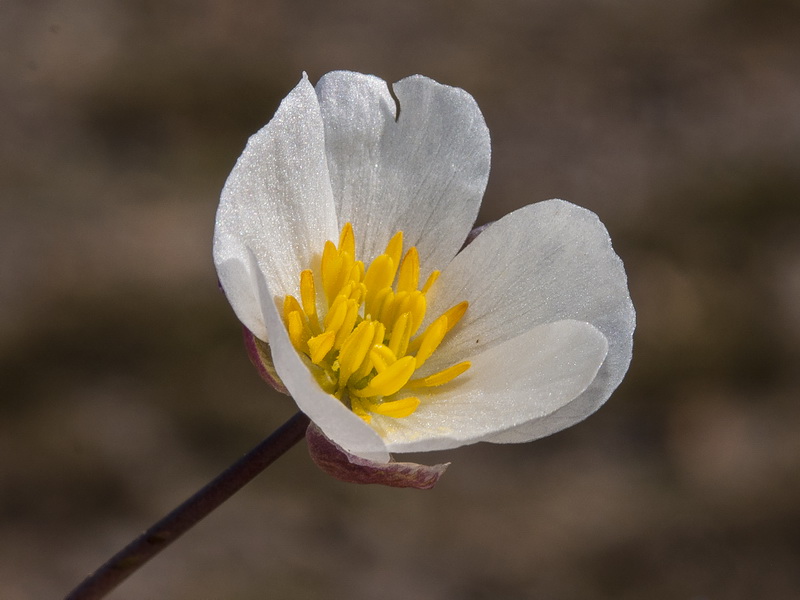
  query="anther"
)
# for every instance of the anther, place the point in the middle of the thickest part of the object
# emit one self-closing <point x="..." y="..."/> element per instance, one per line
<point x="362" y="343"/>
<point x="390" y="380"/>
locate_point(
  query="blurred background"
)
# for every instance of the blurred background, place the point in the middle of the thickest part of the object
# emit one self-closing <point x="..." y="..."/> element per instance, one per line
<point x="124" y="386"/>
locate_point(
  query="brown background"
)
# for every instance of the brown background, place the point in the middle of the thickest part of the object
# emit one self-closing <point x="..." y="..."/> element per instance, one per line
<point x="125" y="387"/>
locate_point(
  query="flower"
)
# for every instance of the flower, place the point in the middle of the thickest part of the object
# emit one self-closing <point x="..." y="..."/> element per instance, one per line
<point x="405" y="342"/>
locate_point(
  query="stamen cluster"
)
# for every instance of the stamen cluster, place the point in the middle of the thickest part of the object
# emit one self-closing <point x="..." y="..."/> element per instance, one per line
<point x="365" y="346"/>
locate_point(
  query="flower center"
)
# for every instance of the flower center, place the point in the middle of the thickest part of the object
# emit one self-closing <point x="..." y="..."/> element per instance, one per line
<point x="364" y="345"/>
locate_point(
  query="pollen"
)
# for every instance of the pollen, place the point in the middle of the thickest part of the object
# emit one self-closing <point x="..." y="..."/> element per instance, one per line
<point x="360" y="327"/>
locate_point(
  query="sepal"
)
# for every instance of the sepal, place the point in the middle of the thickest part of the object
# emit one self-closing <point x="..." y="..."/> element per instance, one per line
<point x="338" y="463"/>
<point x="260" y="355"/>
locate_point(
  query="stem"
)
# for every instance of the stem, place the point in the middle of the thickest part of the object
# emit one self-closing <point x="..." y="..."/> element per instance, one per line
<point x="123" y="564"/>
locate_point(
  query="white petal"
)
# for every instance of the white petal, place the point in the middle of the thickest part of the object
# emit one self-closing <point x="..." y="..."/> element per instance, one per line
<point x="276" y="204"/>
<point x="518" y="381"/>
<point x="337" y="421"/>
<point x="542" y="263"/>
<point x="423" y="172"/>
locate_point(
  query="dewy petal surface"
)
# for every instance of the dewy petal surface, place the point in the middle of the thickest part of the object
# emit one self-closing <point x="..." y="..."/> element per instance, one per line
<point x="542" y="263"/>
<point x="336" y="420"/>
<point x="276" y="204"/>
<point x="519" y="380"/>
<point x="422" y="171"/>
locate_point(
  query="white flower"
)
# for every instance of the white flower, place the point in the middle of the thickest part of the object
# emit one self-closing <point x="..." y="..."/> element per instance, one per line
<point x="547" y="334"/>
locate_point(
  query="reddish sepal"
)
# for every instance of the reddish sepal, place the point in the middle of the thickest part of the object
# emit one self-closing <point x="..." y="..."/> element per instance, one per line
<point x="339" y="463"/>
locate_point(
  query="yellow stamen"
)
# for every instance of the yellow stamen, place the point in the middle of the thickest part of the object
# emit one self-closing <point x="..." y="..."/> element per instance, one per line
<point x="356" y="278"/>
<point x="329" y="270"/>
<point x="309" y="298"/>
<point x="390" y="380"/>
<point x="361" y="345"/>
<point x="408" y="279"/>
<point x="367" y="365"/>
<point x="431" y="339"/>
<point x="386" y="295"/>
<point x="394" y="249"/>
<point x="320" y="345"/>
<point x="290" y="305"/>
<point x="350" y="318"/>
<point x="417" y="307"/>
<point x="382" y="357"/>
<point x="345" y="264"/>
<point x="336" y="314"/>
<point x="442" y="377"/>
<point x="347" y="241"/>
<point x="396" y="409"/>
<point x="378" y="277"/>
<point x="455" y="313"/>
<point x="298" y="334"/>
<point x="389" y="309"/>
<point x="354" y="350"/>
<point x="401" y="333"/>
<point x="431" y="280"/>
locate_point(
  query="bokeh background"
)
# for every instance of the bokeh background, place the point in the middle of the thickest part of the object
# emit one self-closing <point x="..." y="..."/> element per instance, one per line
<point x="124" y="386"/>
